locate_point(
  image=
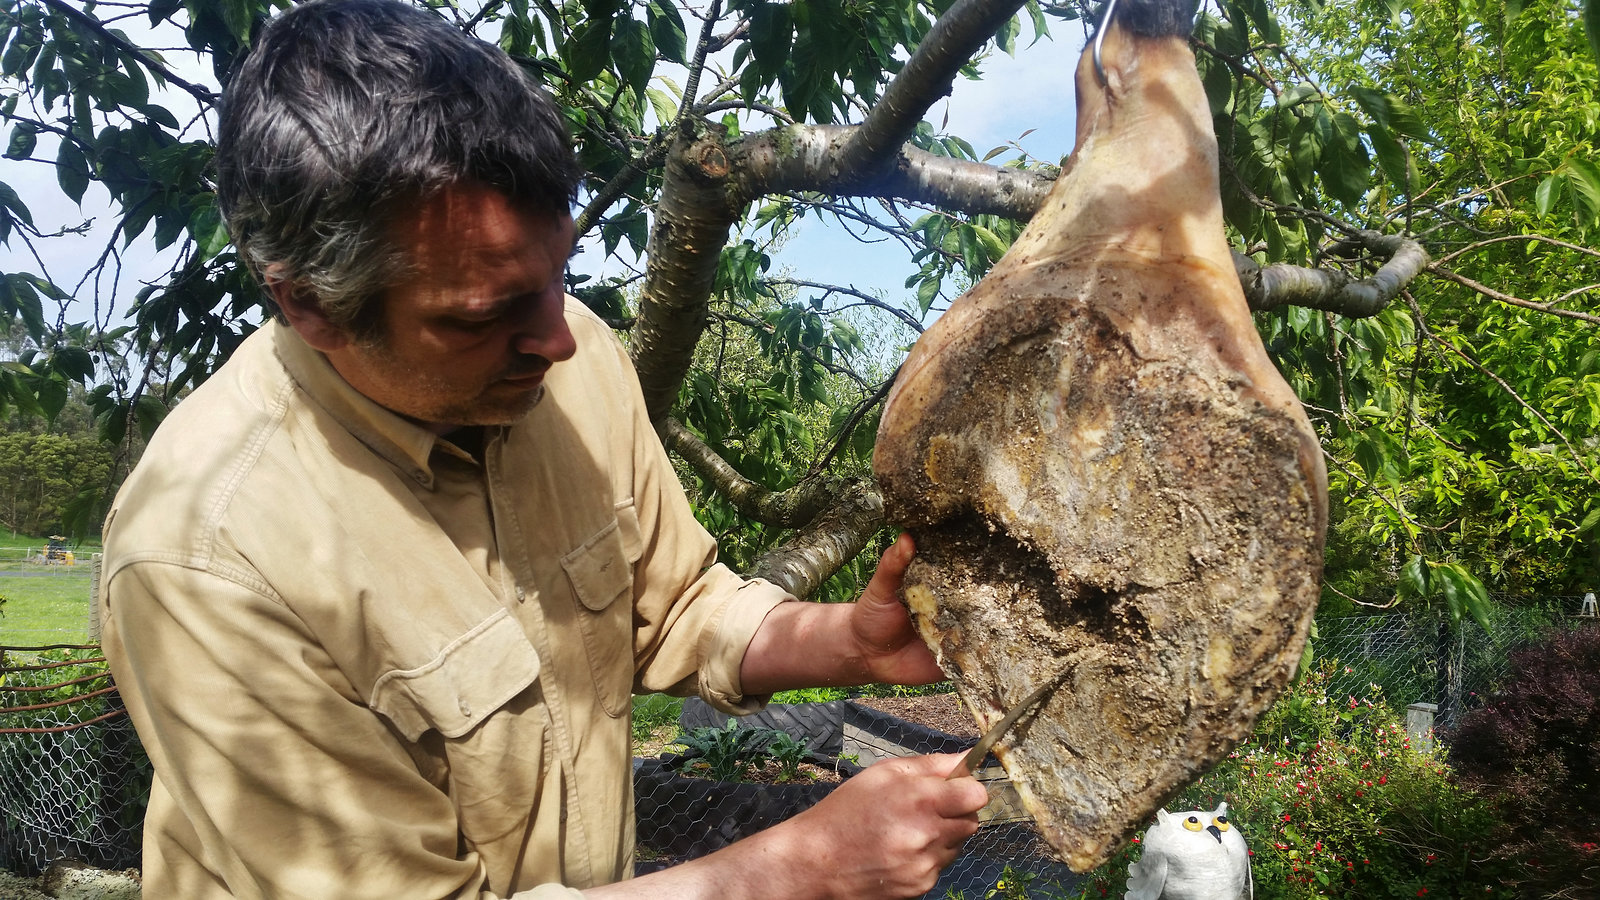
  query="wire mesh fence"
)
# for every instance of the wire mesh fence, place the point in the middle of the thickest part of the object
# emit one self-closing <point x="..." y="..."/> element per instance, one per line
<point x="73" y="778"/>
<point x="1422" y="659"/>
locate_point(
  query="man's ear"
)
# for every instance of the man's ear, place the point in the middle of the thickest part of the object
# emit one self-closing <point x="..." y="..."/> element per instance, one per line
<point x="300" y="307"/>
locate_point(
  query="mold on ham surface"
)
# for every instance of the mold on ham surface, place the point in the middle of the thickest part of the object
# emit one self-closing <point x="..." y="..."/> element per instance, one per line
<point x="1104" y="472"/>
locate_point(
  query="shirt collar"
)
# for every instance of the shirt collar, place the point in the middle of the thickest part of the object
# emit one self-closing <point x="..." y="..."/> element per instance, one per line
<point x="405" y="444"/>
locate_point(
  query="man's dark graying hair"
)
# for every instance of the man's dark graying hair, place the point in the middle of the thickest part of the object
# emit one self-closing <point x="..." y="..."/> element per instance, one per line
<point x="349" y="112"/>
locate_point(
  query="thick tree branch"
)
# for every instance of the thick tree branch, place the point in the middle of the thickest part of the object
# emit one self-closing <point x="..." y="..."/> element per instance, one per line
<point x="1269" y="287"/>
<point x="927" y="76"/>
<point x="806" y="158"/>
<point x="692" y="223"/>
<point x="802" y="564"/>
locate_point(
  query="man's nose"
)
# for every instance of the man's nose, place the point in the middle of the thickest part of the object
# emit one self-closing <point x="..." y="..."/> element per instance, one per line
<point x="545" y="332"/>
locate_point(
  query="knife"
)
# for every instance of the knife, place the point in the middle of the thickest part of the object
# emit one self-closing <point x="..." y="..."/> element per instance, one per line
<point x="969" y="763"/>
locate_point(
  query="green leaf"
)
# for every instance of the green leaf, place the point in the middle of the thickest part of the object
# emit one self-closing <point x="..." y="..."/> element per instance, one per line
<point x="771" y="35"/>
<point x="1589" y="521"/>
<point x="1414" y="577"/>
<point x="24" y="137"/>
<point x="9" y="200"/>
<point x="147" y="414"/>
<point x="634" y="53"/>
<point x="72" y="170"/>
<point x="1544" y="197"/>
<point x="926" y="292"/>
<point x="666" y="108"/>
<point x="210" y="236"/>
<point x="73" y="363"/>
<point x="1464" y="593"/>
<point x="666" y="28"/>
<point x="1583" y="177"/>
<point x="1006" y="37"/>
<point x="588" y="50"/>
<point x="1345" y="168"/>
<point x="19" y="299"/>
<point x="1393" y="158"/>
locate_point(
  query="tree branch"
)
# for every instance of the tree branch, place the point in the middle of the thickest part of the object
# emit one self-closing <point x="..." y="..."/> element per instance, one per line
<point x="927" y="76"/>
<point x="159" y="69"/>
<point x="1269" y="287"/>
<point x="802" y="564"/>
<point x="1509" y="300"/>
<point x="785" y="509"/>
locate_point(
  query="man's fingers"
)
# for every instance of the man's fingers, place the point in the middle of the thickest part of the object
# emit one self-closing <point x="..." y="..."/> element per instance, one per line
<point x="885" y="583"/>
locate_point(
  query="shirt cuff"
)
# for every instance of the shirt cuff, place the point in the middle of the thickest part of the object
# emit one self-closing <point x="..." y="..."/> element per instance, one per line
<point x="741" y="618"/>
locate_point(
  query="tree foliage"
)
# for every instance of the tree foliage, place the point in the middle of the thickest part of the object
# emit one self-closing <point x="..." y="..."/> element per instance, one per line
<point x="1407" y="183"/>
<point x="43" y="478"/>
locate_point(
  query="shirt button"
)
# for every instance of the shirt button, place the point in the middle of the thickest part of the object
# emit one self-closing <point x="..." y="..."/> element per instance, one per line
<point x="464" y="706"/>
<point x="522" y="595"/>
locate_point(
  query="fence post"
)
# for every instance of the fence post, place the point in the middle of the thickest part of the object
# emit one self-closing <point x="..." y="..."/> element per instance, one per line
<point x="94" y="598"/>
<point x="1419" y="724"/>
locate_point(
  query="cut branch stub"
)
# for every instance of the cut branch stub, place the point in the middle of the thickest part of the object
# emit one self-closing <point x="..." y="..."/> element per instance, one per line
<point x="1104" y="472"/>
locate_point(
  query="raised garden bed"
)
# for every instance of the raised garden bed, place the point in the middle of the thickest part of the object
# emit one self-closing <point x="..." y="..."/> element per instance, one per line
<point x="680" y="817"/>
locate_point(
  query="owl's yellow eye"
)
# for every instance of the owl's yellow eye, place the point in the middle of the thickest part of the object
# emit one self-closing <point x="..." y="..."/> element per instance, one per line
<point x="1221" y="822"/>
<point x="1193" y="823"/>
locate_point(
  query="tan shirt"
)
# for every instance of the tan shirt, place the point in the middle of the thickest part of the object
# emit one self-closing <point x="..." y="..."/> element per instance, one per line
<point x="368" y="664"/>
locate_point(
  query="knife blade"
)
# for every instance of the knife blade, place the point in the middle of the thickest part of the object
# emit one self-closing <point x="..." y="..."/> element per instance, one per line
<point x="969" y="763"/>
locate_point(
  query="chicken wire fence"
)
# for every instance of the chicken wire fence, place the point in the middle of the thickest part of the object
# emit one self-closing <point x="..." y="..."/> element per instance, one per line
<point x="73" y="778"/>
<point x="1421" y="659"/>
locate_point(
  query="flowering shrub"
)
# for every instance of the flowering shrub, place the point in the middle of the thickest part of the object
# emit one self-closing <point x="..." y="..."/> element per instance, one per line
<point x="1335" y="801"/>
<point x="1536" y="747"/>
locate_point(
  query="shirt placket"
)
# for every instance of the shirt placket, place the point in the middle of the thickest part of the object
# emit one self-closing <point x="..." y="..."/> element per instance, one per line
<point x="520" y="588"/>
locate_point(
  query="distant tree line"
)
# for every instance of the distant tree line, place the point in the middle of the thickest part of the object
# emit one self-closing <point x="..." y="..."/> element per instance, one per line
<point x="51" y="476"/>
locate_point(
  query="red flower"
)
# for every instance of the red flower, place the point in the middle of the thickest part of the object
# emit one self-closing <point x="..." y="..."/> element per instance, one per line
<point x="1383" y="779"/>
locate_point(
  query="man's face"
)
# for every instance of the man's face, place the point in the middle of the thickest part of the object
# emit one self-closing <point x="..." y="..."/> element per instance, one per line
<point x="468" y="335"/>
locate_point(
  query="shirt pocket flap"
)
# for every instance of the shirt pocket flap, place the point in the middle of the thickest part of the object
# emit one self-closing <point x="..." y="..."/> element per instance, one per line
<point x="456" y="690"/>
<point x="599" y="569"/>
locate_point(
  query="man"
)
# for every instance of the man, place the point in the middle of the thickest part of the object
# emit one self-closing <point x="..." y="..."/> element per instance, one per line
<point x="379" y="592"/>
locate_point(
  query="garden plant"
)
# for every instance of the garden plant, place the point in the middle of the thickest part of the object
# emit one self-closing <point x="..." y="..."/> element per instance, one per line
<point x="1535" y="748"/>
<point x="1337" y="800"/>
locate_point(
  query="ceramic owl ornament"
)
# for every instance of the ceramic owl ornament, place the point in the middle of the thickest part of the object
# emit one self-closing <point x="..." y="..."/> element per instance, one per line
<point x="1195" y="855"/>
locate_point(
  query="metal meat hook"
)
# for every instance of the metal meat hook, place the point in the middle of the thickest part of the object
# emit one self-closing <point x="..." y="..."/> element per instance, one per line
<point x="1100" y="37"/>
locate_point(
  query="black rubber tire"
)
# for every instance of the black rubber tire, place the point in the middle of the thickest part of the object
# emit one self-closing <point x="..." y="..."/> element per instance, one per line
<point x="819" y="725"/>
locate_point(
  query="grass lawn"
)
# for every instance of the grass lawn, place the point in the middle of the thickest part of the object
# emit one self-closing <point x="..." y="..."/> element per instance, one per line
<point x="45" y="604"/>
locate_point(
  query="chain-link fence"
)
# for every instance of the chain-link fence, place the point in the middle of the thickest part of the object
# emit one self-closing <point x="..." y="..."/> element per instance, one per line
<point x="1421" y="659"/>
<point x="73" y="777"/>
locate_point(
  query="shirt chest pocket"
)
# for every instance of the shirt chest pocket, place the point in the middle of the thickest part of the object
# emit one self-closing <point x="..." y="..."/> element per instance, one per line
<point x="601" y="574"/>
<point x="473" y="676"/>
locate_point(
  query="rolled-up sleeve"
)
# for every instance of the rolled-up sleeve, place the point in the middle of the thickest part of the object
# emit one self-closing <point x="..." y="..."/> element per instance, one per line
<point x="292" y="786"/>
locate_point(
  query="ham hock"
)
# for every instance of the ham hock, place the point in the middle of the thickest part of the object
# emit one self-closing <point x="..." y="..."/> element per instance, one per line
<point x="1108" y="481"/>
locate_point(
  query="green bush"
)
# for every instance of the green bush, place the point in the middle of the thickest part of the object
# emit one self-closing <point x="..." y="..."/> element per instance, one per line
<point x="1336" y="801"/>
<point x="811" y="695"/>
